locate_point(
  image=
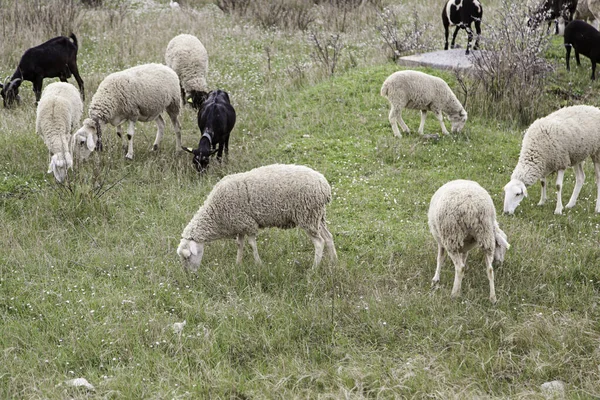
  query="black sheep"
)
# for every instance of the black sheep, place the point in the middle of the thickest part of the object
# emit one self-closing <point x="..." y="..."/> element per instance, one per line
<point x="584" y="39"/>
<point x="56" y="58"/>
<point x="462" y="13"/>
<point x="216" y="120"/>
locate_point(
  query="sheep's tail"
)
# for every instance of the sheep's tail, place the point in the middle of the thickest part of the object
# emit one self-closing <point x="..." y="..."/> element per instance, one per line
<point x="72" y="36"/>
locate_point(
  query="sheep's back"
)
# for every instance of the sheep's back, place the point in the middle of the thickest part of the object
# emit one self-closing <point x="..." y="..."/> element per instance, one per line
<point x="414" y="89"/>
<point x="461" y="212"/>
<point x="142" y="91"/>
<point x="187" y="56"/>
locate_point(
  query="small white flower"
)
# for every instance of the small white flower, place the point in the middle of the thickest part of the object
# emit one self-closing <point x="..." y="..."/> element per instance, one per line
<point x="80" y="382"/>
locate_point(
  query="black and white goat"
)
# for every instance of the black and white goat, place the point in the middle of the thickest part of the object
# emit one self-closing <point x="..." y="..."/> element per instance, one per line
<point x="462" y="13"/>
<point x="554" y="11"/>
<point x="584" y="39"/>
<point x="56" y="58"/>
<point x="216" y="120"/>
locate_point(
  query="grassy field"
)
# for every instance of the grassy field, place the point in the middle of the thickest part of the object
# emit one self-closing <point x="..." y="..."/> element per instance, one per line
<point x="90" y="285"/>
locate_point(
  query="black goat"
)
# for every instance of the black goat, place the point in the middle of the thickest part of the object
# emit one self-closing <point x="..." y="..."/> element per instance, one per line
<point x="56" y="58"/>
<point x="216" y="120"/>
<point x="584" y="39"/>
<point x="462" y="13"/>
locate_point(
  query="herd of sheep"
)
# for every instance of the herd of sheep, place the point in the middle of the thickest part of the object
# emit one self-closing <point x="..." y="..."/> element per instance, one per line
<point x="461" y="214"/>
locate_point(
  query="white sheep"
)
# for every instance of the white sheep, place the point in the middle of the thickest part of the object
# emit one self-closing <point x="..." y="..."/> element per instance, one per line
<point x="419" y="91"/>
<point x="58" y="114"/>
<point x="139" y="93"/>
<point x="187" y="56"/>
<point x="560" y="140"/>
<point x="461" y="216"/>
<point x="278" y="195"/>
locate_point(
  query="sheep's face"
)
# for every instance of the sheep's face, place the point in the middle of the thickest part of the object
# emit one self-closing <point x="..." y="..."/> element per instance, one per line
<point x="59" y="164"/>
<point x="197" y="98"/>
<point x="458" y="121"/>
<point x="85" y="139"/>
<point x="501" y="244"/>
<point x="10" y="92"/>
<point x="190" y="252"/>
<point x="514" y="192"/>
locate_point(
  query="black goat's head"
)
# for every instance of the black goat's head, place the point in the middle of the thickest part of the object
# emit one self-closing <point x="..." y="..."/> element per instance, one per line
<point x="10" y="91"/>
<point x="201" y="158"/>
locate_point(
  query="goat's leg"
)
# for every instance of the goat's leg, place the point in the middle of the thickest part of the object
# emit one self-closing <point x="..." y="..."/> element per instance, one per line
<point x="543" y="197"/>
<point x="452" y="45"/>
<point x="559" y="181"/>
<point x="440" y="118"/>
<point x="469" y="37"/>
<point x="446" y="32"/>
<point x="597" y="173"/>
<point x="75" y="72"/>
<point x="577" y="58"/>
<point x="593" y="69"/>
<point x="37" y="88"/>
<point x="489" y="258"/>
<point x="422" y="125"/>
<point x="459" y="273"/>
<point x="568" y="56"/>
<point x="160" y="130"/>
<point x="441" y="257"/>
<point x="478" y="30"/>
<point x="252" y="241"/>
<point x="130" y="132"/>
<point x="579" y="179"/>
<point x="240" y="251"/>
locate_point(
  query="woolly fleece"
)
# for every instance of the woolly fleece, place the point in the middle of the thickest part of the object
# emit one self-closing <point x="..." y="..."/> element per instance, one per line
<point x="187" y="56"/>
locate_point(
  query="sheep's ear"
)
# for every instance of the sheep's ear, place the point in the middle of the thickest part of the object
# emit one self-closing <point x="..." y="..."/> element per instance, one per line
<point x="524" y="191"/>
<point x="502" y="241"/>
<point x="90" y="142"/>
<point x="188" y="149"/>
<point x="193" y="247"/>
<point x="51" y="166"/>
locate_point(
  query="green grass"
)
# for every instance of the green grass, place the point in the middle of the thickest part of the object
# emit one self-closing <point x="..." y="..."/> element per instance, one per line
<point x="90" y="287"/>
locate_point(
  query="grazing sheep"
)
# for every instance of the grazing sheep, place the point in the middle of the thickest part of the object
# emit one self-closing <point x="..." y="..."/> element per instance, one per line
<point x="462" y="13"/>
<point x="189" y="59"/>
<point x="560" y="140"/>
<point x="584" y="39"/>
<point x="56" y="58"/>
<point x="216" y="120"/>
<point x="419" y="91"/>
<point x="139" y="93"/>
<point x="58" y="114"/>
<point x="278" y="195"/>
<point x="461" y="216"/>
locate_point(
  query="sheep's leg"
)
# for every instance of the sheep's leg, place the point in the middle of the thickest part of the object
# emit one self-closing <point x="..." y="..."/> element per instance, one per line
<point x="464" y="260"/>
<point x="452" y="45"/>
<point x="489" y="257"/>
<point x="319" y="243"/>
<point x="328" y="238"/>
<point x="543" y="198"/>
<point x="177" y="128"/>
<point x="440" y="118"/>
<point x="123" y="138"/>
<point x="160" y="130"/>
<point x="130" y="132"/>
<point x="579" y="179"/>
<point x="597" y="173"/>
<point x="394" y="122"/>
<point x="441" y="257"/>
<point x="252" y="241"/>
<point x="240" y="251"/>
<point x="559" y="181"/>
<point x="459" y="273"/>
<point x="422" y="125"/>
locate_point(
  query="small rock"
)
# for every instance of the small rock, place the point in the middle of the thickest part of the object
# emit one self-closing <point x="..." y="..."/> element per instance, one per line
<point x="306" y="136"/>
<point x="80" y="382"/>
<point x="178" y="327"/>
<point x="553" y="389"/>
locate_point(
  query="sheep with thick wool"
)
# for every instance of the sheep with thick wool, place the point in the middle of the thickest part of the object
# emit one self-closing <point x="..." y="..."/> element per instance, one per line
<point x="461" y="216"/>
<point x="139" y="93"/>
<point x="554" y="143"/>
<point x="187" y="56"/>
<point x="420" y="91"/>
<point x="58" y="114"/>
<point x="278" y="195"/>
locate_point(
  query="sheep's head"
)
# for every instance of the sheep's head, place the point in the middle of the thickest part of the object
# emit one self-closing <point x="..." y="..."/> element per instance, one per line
<point x="514" y="192"/>
<point x="458" y="121"/>
<point x="197" y="98"/>
<point x="10" y="91"/>
<point x="59" y="164"/>
<point x="85" y="139"/>
<point x="190" y="252"/>
<point x="501" y="244"/>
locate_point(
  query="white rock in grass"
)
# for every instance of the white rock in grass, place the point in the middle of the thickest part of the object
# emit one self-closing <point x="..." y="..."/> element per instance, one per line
<point x="554" y="389"/>
<point x="178" y="327"/>
<point x="80" y="382"/>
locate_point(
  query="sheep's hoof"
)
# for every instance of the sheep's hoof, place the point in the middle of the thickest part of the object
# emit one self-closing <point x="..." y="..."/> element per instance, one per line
<point x="570" y="205"/>
<point x="129" y="156"/>
<point x="558" y="211"/>
<point x="154" y="147"/>
<point x="493" y="299"/>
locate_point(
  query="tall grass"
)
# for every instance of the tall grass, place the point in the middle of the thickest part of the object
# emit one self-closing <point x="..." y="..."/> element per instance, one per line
<point x="91" y="285"/>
